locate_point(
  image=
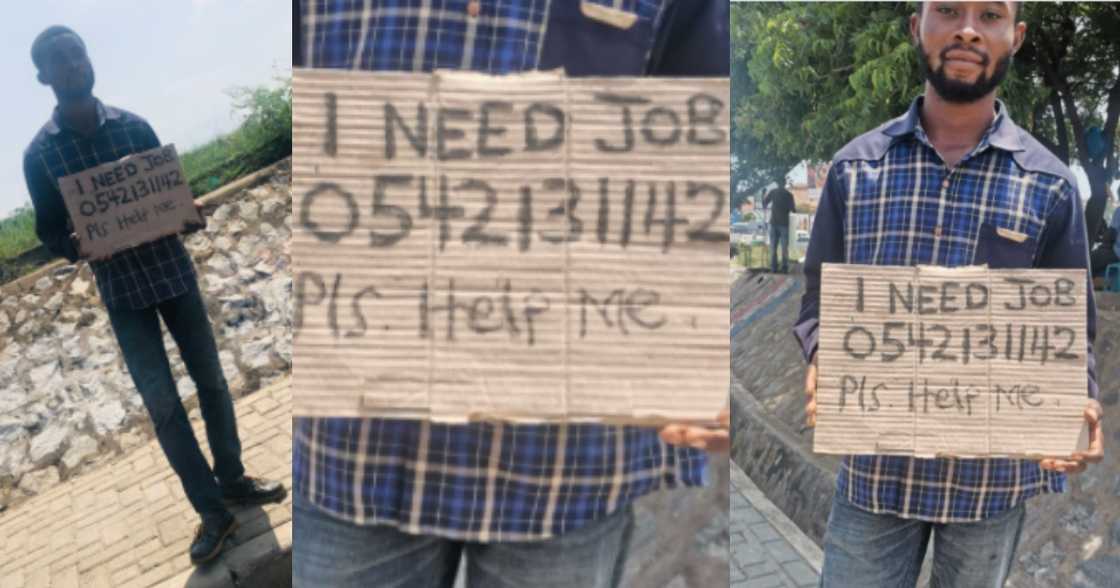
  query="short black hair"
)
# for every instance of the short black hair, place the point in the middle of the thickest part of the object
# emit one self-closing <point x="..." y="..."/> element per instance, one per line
<point x="39" y="45"/>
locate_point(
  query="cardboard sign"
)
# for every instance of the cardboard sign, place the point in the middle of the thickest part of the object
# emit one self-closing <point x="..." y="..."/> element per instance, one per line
<point x="931" y="361"/>
<point x="529" y="247"/>
<point x="134" y="200"/>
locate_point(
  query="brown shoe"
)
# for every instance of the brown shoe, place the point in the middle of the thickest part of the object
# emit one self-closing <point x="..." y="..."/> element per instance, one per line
<point x="209" y="537"/>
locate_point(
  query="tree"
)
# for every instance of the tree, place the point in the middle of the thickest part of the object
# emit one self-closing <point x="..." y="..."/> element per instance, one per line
<point x="819" y="74"/>
<point x="755" y="162"/>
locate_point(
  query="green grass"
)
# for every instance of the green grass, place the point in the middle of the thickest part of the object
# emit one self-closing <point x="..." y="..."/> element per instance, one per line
<point x="17" y="232"/>
<point x="757" y="255"/>
<point x="264" y="137"/>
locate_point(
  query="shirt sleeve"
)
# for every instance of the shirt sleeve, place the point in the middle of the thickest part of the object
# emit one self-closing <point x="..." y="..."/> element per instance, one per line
<point x="693" y="39"/>
<point x="151" y="138"/>
<point x="826" y="245"/>
<point x="1065" y="244"/>
<point x="52" y="222"/>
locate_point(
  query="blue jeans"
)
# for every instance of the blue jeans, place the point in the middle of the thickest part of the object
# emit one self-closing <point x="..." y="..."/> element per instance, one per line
<point x="141" y="342"/>
<point x="335" y="553"/>
<point x="872" y="550"/>
<point x="779" y="235"/>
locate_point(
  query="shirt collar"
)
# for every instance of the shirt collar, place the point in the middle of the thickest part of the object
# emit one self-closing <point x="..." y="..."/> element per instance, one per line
<point x="104" y="113"/>
<point x="1003" y="133"/>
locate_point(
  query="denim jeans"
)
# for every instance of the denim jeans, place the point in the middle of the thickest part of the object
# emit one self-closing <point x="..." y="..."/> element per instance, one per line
<point x="779" y="235"/>
<point x="141" y="342"/>
<point x="335" y="553"/>
<point x="872" y="550"/>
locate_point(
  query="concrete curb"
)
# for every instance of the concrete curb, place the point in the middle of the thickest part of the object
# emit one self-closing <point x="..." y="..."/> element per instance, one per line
<point x="209" y="202"/>
<point x="799" y="483"/>
<point x="801" y="542"/>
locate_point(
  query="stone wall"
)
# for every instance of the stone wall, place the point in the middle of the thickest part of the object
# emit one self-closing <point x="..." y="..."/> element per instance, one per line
<point x="1071" y="539"/>
<point x="66" y="400"/>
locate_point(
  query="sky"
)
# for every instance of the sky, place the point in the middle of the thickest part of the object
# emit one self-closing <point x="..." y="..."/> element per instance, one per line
<point x="172" y="62"/>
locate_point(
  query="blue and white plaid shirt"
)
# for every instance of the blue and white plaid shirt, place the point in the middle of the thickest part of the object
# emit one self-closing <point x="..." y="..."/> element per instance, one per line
<point x="890" y="200"/>
<point x="131" y="279"/>
<point x="495" y="482"/>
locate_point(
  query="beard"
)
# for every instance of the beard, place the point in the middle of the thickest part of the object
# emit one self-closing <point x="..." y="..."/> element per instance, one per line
<point x="957" y="91"/>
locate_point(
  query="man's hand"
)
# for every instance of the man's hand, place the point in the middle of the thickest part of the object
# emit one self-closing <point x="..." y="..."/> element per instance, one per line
<point x="716" y="440"/>
<point x="811" y="394"/>
<point x="1081" y="459"/>
<point x="194" y="227"/>
<point x="102" y="257"/>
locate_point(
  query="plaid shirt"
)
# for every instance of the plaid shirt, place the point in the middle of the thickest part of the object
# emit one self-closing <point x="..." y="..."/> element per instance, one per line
<point x="134" y="278"/>
<point x="890" y="200"/>
<point x="482" y="481"/>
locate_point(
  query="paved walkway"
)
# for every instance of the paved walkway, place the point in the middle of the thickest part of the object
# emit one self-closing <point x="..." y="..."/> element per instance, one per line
<point x="129" y="525"/>
<point x="767" y="549"/>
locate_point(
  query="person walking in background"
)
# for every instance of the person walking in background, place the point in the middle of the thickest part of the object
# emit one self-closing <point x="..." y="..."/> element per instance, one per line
<point x="781" y="204"/>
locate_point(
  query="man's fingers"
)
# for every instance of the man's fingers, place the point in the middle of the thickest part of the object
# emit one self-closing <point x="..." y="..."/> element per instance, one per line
<point x="811" y="394"/>
<point x="672" y="434"/>
<point x="707" y="439"/>
<point x="696" y="437"/>
<point x="1095" y="452"/>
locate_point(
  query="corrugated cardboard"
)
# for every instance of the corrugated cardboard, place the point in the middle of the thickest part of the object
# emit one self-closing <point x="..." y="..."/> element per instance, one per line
<point x="134" y="200"/>
<point x="1002" y="372"/>
<point x="523" y="204"/>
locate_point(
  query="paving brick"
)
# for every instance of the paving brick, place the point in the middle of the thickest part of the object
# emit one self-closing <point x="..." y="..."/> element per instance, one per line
<point x="781" y="551"/>
<point x="38" y="578"/>
<point x="172" y="530"/>
<point x="265" y="405"/>
<point x="128" y="524"/>
<point x="761" y="556"/>
<point x="65" y="578"/>
<point x="125" y="574"/>
<point x="763" y="532"/>
<point x="95" y="579"/>
<point x="153" y="576"/>
<point x="801" y="573"/>
<point x="768" y="581"/>
<point x="12" y="580"/>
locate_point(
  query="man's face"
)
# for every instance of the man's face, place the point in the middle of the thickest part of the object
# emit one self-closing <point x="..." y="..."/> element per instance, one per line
<point x="66" y="67"/>
<point x="965" y="48"/>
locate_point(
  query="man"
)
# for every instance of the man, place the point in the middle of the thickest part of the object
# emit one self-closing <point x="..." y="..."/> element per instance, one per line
<point x="781" y="203"/>
<point x="966" y="209"/>
<point x="395" y="502"/>
<point x="138" y="286"/>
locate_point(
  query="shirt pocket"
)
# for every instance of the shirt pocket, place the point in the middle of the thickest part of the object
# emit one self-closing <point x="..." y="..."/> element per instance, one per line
<point x="1002" y="248"/>
<point x="600" y="37"/>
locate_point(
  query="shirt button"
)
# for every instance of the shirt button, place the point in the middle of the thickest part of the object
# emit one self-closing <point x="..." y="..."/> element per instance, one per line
<point x="473" y="7"/>
<point x="937" y="231"/>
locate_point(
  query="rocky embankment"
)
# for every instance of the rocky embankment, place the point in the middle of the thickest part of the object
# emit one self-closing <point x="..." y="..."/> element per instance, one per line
<point x="67" y="402"/>
<point x="1071" y="539"/>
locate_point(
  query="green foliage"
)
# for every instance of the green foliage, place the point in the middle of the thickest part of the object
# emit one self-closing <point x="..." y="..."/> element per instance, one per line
<point x="17" y="232"/>
<point x="264" y="137"/>
<point x="757" y="255"/>
<point x="809" y="77"/>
